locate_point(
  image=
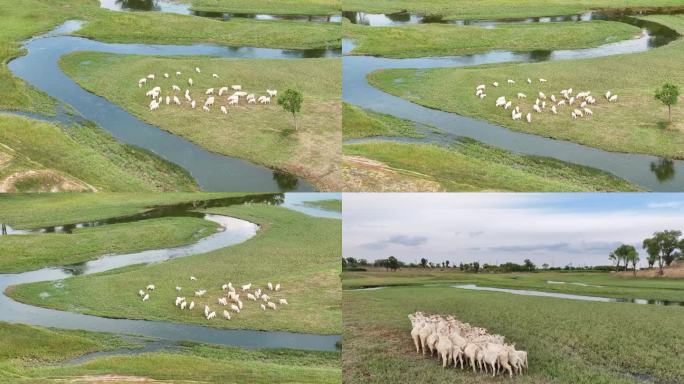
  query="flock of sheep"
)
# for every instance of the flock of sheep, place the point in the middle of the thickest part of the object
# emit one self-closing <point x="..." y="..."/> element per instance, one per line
<point x="581" y="99"/>
<point x="172" y="97"/>
<point x="231" y="299"/>
<point x="458" y="342"/>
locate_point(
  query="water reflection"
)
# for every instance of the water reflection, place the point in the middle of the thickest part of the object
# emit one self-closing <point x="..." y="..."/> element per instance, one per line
<point x="138" y="5"/>
<point x="664" y="169"/>
<point x="286" y="181"/>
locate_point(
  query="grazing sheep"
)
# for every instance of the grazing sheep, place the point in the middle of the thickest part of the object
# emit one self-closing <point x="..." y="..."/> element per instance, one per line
<point x="270" y="286"/>
<point x="511" y="81"/>
<point x="553" y="98"/>
<point x="480" y="87"/>
<point x="536" y="108"/>
<point x="222" y="90"/>
<point x="265" y="297"/>
<point x="179" y="300"/>
<point x="271" y="305"/>
<point x="193" y="104"/>
<point x="209" y="91"/>
<point x="562" y="102"/>
<point x="482" y="96"/>
<point x="236" y="87"/>
<point x="166" y="75"/>
<point x="573" y="115"/>
<point x="210" y="101"/>
<point x="141" y="82"/>
<point x="193" y="278"/>
<point x="496" y="84"/>
<point x="608" y="95"/>
<point x="277" y="287"/>
<point x="150" y="76"/>
<point x="178" y="73"/>
<point x="613" y="99"/>
<point x="168" y="100"/>
<point x="479" y="92"/>
<point x="200" y="293"/>
<point x="542" y="96"/>
<point x="553" y="110"/>
<point x="150" y="287"/>
<point x="205" y="108"/>
<point x="501" y="101"/>
<point x="175" y="88"/>
<point x="215" y="76"/>
<point x="176" y="100"/>
<point x="224" y="287"/>
<point x="154" y="105"/>
<point x="141" y="293"/>
<point x="588" y="112"/>
<point x="211" y="315"/>
<point x="267" y="100"/>
<point x="190" y="81"/>
<point x="235" y="308"/>
<point x="529" y="81"/>
<point x="246" y="287"/>
<point x="579" y="113"/>
<point x="206" y="310"/>
<point x="183" y="304"/>
<point x="282" y="302"/>
<point x="263" y="307"/>
<point x="197" y="70"/>
<point x="522" y="96"/>
<point x="508" y="105"/>
<point x="192" y="305"/>
<point x="226" y="314"/>
<point x="224" y="110"/>
<point x="542" y="80"/>
<point x="146" y="297"/>
<point x="251" y="297"/>
<point x="529" y="117"/>
<point x="222" y="301"/>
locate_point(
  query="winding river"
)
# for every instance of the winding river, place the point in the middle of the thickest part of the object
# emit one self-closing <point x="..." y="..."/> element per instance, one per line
<point x="212" y="171"/>
<point x="650" y="172"/>
<point x="233" y="231"/>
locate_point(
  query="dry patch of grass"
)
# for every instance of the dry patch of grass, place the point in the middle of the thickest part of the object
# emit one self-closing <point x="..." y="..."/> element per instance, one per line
<point x="361" y="174"/>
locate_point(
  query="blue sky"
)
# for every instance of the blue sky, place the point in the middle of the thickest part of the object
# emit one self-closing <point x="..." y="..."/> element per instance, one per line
<point x="558" y="229"/>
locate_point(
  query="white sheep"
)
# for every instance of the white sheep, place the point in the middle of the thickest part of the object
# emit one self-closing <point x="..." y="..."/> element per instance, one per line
<point x="270" y="286"/>
<point x="236" y="87"/>
<point x="206" y="310"/>
<point x="522" y="96"/>
<point x="150" y="76"/>
<point x="197" y="70"/>
<point x="211" y="315"/>
<point x="146" y="297"/>
<point x="215" y="76"/>
<point x="246" y="287"/>
<point x="222" y="90"/>
<point x="200" y="293"/>
<point x="179" y="300"/>
<point x="166" y="75"/>
<point x="480" y="87"/>
<point x="226" y="314"/>
<point x="251" y="297"/>
<point x="482" y="96"/>
<point x="613" y="99"/>
<point x="562" y="102"/>
<point x="265" y="297"/>
<point x="209" y="91"/>
<point x="175" y="88"/>
<point x="150" y="287"/>
<point x="183" y="304"/>
<point x="193" y="278"/>
<point x="529" y="81"/>
<point x="542" y="80"/>
<point x="141" y="82"/>
<point x="536" y="108"/>
<point x="588" y="112"/>
<point x="282" y="302"/>
<point x="190" y="81"/>
<point x="272" y="92"/>
<point x="542" y="95"/>
<point x="511" y="81"/>
<point x="178" y="73"/>
<point x="176" y="100"/>
<point x="496" y="84"/>
<point x="235" y="308"/>
<point x="222" y="301"/>
<point x="224" y="287"/>
<point x="263" y="307"/>
<point x="210" y="101"/>
<point x="529" y="117"/>
<point x="154" y="105"/>
<point x="192" y="305"/>
<point x="193" y="104"/>
<point x="141" y="293"/>
<point x="508" y="104"/>
<point x="205" y="108"/>
<point x="608" y="95"/>
<point x="277" y="287"/>
<point x="271" y="305"/>
<point x="553" y="110"/>
<point x="224" y="110"/>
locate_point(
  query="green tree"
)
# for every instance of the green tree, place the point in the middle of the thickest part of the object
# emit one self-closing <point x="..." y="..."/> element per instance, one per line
<point x="476" y="266"/>
<point x="545" y="266"/>
<point x="423" y="262"/>
<point x="291" y="101"/>
<point x="668" y="94"/>
<point x="392" y="263"/>
<point x="666" y="245"/>
<point x="447" y="263"/>
<point x="344" y="263"/>
<point x="529" y="265"/>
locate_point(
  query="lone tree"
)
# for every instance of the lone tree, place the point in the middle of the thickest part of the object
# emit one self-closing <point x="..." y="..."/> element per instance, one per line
<point x="423" y="262"/>
<point x="291" y="101"/>
<point x="668" y="95"/>
<point x="393" y="263"/>
<point x="665" y="246"/>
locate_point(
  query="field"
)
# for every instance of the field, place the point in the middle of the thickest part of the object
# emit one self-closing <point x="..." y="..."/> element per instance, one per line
<point x="298" y="251"/>
<point x="444" y="40"/>
<point x="33" y="354"/>
<point x="306" y="7"/>
<point x="328" y="205"/>
<point x="568" y="341"/>
<point x="34" y="251"/>
<point x="464" y="165"/>
<point x="258" y="133"/>
<point x="492" y="9"/>
<point x="38" y="156"/>
<point x="636" y="124"/>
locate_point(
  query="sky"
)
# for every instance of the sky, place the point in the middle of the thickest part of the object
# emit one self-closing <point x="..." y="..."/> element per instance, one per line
<point x="557" y="229"/>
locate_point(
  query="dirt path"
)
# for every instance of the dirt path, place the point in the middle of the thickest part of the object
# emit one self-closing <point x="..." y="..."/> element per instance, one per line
<point x="361" y="174"/>
<point x="46" y="181"/>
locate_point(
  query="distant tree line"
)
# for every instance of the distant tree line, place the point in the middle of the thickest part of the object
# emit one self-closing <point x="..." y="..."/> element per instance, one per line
<point x="663" y="248"/>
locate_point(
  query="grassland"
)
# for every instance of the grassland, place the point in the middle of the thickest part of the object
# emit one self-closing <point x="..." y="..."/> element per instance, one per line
<point x="39" y="210"/>
<point x="568" y="341"/>
<point x="444" y="40"/>
<point x="306" y="7"/>
<point x="34" y="251"/>
<point x="328" y="205"/>
<point x="34" y="354"/>
<point x="262" y="134"/>
<point x="84" y="155"/>
<point x="298" y="251"/>
<point x="636" y="124"/>
<point x="492" y="9"/>
<point x="463" y="165"/>
<point x="360" y="123"/>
